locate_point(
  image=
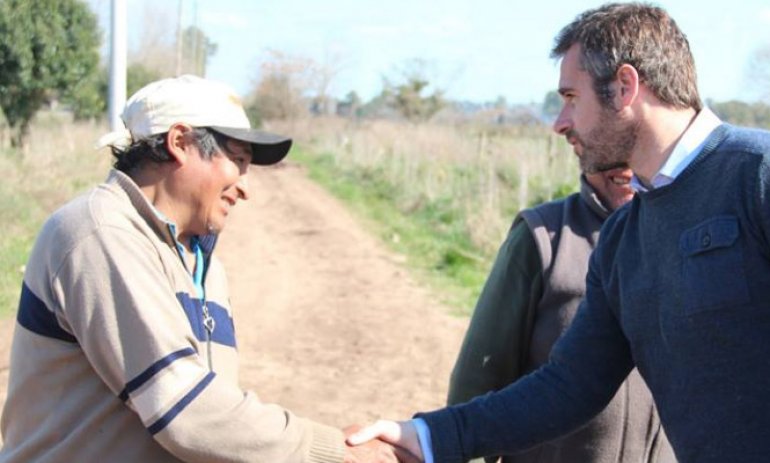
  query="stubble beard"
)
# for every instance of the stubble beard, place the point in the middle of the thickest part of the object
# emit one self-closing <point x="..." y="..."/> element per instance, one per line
<point x="609" y="145"/>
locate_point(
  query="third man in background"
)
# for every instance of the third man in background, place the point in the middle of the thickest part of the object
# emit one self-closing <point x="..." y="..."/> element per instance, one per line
<point x="529" y="300"/>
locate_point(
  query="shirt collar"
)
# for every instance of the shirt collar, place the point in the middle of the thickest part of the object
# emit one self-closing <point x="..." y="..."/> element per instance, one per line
<point x="592" y="199"/>
<point x="687" y="149"/>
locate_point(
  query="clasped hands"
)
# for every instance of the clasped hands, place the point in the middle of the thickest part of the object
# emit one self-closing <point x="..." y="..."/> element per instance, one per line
<point x="383" y="442"/>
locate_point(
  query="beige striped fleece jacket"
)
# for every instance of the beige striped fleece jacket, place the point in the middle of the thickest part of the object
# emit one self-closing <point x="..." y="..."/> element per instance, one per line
<point x="110" y="358"/>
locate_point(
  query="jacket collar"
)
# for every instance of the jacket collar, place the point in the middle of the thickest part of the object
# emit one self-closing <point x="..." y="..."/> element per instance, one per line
<point x="589" y="195"/>
<point x="161" y="225"/>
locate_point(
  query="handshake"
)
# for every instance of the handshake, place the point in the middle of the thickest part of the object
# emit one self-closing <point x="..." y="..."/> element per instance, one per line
<point x="384" y="442"/>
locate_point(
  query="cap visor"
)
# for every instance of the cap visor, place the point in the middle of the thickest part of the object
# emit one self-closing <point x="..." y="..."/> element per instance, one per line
<point x="266" y="148"/>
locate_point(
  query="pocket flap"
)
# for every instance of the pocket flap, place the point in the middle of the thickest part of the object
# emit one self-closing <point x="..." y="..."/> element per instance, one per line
<point x="718" y="232"/>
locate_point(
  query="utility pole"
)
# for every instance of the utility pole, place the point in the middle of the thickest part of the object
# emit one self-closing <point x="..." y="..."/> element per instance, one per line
<point x="117" y="84"/>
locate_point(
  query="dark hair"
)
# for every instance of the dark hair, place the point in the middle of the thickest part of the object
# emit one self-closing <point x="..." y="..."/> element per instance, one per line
<point x="641" y="35"/>
<point x="153" y="149"/>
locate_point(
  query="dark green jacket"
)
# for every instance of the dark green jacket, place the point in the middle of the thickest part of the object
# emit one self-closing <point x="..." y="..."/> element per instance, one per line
<point x="528" y="301"/>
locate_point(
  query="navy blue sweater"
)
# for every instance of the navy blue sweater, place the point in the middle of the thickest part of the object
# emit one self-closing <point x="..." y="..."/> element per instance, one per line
<point x="679" y="286"/>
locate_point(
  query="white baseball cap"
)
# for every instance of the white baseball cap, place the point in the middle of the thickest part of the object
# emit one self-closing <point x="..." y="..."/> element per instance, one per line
<point x="198" y="102"/>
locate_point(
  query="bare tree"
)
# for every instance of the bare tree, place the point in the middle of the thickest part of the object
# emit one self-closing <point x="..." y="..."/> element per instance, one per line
<point x="288" y="86"/>
<point x="156" y="49"/>
<point x="165" y="51"/>
<point x="283" y="87"/>
<point x="322" y="76"/>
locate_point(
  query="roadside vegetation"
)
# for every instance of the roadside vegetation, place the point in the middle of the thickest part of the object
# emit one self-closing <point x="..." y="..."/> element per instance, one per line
<point x="58" y="161"/>
<point x="442" y="196"/>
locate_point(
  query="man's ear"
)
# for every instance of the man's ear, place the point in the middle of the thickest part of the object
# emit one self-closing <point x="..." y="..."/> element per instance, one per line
<point x="178" y="142"/>
<point x="627" y="81"/>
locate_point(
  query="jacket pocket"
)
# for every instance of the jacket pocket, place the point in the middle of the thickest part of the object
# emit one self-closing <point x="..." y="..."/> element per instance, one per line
<point x="713" y="270"/>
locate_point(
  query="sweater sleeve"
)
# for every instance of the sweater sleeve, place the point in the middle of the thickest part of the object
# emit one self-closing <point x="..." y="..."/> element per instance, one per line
<point x="121" y="308"/>
<point x="586" y="366"/>
<point x="495" y="344"/>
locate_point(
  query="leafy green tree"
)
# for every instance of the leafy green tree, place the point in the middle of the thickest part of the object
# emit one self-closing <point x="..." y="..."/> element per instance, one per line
<point x="48" y="49"/>
<point x="137" y="76"/>
<point x="88" y="98"/>
<point x="413" y="97"/>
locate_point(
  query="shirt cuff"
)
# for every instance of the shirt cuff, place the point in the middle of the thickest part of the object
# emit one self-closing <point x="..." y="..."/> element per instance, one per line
<point x="423" y="435"/>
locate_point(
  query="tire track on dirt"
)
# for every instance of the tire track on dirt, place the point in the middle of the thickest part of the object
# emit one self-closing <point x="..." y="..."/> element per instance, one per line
<point x="330" y="324"/>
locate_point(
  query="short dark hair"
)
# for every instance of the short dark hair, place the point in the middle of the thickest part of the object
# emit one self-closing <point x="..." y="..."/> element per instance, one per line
<point x="641" y="35"/>
<point x="153" y="149"/>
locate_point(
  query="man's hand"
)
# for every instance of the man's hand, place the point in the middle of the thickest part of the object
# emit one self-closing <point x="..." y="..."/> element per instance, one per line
<point x="401" y="434"/>
<point x="374" y="450"/>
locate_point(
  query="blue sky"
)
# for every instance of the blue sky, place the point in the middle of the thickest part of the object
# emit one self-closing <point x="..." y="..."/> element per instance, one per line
<point x="475" y="50"/>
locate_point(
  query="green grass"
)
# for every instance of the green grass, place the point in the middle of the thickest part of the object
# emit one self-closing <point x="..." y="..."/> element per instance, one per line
<point x="13" y="255"/>
<point x="431" y="235"/>
<point x="21" y="216"/>
<point x="58" y="163"/>
<point x="442" y="196"/>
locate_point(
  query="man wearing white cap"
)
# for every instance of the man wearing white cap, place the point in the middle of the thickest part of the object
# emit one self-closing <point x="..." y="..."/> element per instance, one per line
<point x="124" y="348"/>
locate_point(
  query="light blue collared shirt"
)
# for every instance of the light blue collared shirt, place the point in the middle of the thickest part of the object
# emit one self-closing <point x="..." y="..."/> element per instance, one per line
<point x="197" y="272"/>
<point x="684" y="152"/>
<point x="426" y="445"/>
<point x="687" y="149"/>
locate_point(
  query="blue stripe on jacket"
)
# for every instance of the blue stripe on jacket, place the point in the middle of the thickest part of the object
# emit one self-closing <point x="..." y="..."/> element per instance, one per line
<point x="145" y="376"/>
<point x="224" y="331"/>
<point x="35" y="316"/>
<point x="164" y="420"/>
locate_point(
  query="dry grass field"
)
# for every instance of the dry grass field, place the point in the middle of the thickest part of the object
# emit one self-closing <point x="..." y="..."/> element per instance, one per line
<point x="58" y="162"/>
<point x="460" y="184"/>
<point x="485" y="173"/>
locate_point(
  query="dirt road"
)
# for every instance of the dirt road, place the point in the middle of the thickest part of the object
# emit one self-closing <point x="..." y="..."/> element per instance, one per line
<point x="328" y="322"/>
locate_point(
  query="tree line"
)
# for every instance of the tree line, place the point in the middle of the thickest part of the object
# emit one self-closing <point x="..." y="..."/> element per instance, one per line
<point x="49" y="54"/>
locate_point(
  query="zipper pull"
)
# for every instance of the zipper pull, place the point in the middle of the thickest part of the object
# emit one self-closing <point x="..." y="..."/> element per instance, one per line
<point x="209" y="323"/>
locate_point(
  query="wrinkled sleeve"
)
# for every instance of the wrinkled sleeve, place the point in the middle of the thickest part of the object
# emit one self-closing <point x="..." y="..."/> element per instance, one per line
<point x="586" y="366"/>
<point x="495" y="344"/>
<point x="122" y="309"/>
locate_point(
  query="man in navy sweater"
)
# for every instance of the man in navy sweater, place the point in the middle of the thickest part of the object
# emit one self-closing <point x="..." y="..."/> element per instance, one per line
<point x="679" y="283"/>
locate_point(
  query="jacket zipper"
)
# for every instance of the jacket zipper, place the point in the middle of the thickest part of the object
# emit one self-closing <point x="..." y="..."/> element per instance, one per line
<point x="209" y="324"/>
